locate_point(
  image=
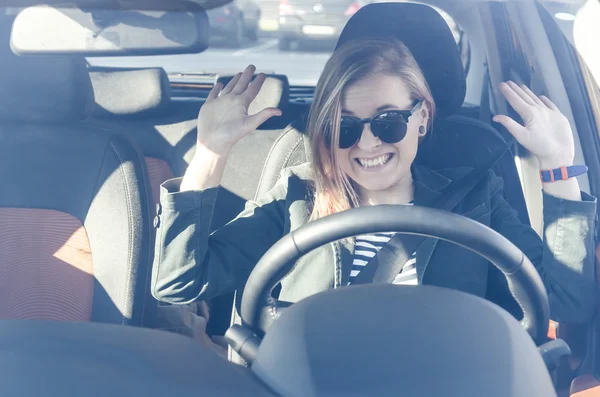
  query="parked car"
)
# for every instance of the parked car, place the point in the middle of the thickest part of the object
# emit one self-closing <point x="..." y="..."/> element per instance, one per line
<point x="301" y="20"/>
<point x="86" y="140"/>
<point x="269" y="17"/>
<point x="235" y="22"/>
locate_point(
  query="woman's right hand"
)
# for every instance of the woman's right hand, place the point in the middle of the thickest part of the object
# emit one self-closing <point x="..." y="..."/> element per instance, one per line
<point x="224" y="120"/>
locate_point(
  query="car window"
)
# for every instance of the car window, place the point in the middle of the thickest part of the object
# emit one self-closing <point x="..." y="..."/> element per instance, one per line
<point x="578" y="21"/>
<point x="564" y="13"/>
<point x="291" y="37"/>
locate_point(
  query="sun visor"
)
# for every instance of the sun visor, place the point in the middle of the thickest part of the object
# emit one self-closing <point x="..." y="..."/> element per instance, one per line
<point x="89" y="31"/>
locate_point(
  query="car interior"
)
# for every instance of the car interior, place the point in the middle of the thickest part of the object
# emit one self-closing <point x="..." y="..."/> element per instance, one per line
<point x="83" y="152"/>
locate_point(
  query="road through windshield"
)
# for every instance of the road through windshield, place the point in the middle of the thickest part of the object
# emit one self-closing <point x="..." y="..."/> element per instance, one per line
<point x="302" y="67"/>
<point x="291" y="37"/>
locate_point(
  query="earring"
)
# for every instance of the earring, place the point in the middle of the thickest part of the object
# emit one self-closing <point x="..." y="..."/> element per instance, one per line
<point x="422" y="130"/>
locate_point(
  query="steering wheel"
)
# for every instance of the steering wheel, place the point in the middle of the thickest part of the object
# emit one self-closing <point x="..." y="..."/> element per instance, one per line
<point x="259" y="309"/>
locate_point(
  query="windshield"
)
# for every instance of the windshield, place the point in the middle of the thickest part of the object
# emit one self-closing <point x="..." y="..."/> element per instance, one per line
<point x="291" y="37"/>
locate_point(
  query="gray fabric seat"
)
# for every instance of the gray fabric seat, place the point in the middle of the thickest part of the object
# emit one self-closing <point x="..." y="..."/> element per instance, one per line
<point x="139" y="103"/>
<point x="75" y="219"/>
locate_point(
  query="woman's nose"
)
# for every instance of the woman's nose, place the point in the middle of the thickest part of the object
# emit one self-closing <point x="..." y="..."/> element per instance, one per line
<point x="367" y="140"/>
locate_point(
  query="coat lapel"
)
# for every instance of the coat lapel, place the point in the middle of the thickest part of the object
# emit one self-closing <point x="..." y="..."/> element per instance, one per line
<point x="428" y="190"/>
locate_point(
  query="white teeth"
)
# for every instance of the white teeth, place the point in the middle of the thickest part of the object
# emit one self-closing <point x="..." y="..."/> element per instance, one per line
<point x="374" y="162"/>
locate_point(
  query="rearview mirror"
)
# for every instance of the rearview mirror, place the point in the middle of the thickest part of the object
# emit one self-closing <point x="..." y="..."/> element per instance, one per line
<point x="109" y="32"/>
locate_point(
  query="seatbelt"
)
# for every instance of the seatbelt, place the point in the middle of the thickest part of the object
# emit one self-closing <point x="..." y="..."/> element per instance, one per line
<point x="409" y="242"/>
<point x="485" y="112"/>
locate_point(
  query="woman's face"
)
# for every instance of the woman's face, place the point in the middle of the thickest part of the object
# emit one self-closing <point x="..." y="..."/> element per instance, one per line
<point x="371" y="163"/>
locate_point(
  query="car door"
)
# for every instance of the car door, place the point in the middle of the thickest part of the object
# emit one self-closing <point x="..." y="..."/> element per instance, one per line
<point x="557" y="66"/>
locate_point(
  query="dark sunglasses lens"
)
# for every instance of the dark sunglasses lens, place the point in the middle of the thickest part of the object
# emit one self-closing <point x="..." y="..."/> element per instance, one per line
<point x="390" y="127"/>
<point x="350" y="130"/>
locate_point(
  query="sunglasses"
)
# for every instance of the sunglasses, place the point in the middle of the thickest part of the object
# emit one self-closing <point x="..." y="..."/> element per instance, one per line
<point x="389" y="126"/>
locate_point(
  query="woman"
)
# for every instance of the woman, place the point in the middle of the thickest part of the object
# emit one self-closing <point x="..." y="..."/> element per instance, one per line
<point x="365" y="86"/>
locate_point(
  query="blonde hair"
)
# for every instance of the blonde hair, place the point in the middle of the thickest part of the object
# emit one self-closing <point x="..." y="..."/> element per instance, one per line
<point x="333" y="191"/>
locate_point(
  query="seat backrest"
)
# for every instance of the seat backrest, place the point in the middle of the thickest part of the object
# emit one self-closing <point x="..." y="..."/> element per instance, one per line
<point x="291" y="148"/>
<point x="75" y="220"/>
<point x="130" y="97"/>
<point x="585" y="386"/>
<point x="165" y="129"/>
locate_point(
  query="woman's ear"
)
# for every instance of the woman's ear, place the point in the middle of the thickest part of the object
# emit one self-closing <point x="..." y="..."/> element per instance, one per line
<point x="424" y="113"/>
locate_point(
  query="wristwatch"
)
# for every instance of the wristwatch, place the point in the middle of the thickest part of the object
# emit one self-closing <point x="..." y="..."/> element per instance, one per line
<point x="562" y="173"/>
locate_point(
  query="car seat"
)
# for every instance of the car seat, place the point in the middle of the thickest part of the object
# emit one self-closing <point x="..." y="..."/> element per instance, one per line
<point x="75" y="220"/>
<point x="139" y="102"/>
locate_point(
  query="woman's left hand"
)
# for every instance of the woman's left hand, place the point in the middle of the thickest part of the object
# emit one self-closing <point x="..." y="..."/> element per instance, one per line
<point x="546" y="131"/>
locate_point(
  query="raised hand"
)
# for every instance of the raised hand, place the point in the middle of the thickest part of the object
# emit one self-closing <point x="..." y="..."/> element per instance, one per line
<point x="224" y="120"/>
<point x="546" y="131"/>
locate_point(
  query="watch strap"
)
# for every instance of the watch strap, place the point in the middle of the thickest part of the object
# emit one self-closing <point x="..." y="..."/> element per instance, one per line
<point x="562" y="173"/>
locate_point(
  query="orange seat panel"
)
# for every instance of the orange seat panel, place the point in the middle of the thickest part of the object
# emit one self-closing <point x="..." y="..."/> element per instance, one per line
<point x="585" y="386"/>
<point x="46" y="268"/>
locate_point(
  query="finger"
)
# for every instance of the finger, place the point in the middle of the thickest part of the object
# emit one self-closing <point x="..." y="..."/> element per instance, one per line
<point x="229" y="87"/>
<point x="521" y="93"/>
<point x="254" y="87"/>
<point x="531" y="95"/>
<point x="242" y="84"/>
<point x="514" y="99"/>
<point x="548" y="103"/>
<point x="214" y="93"/>
<point x="515" y="129"/>
<point x="255" y="121"/>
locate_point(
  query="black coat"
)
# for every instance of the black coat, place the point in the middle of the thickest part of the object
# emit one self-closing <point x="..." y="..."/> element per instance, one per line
<point x="191" y="264"/>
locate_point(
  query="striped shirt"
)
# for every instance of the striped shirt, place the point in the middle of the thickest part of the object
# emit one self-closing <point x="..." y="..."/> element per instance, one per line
<point x="368" y="245"/>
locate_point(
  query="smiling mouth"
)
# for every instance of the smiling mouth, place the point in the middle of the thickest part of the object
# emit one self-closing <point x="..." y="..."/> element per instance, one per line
<point x="374" y="161"/>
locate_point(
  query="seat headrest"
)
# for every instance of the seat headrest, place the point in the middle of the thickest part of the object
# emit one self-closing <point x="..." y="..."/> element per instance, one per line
<point x="129" y="92"/>
<point x="36" y="88"/>
<point x="427" y="35"/>
<point x="275" y="92"/>
<point x="41" y="88"/>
